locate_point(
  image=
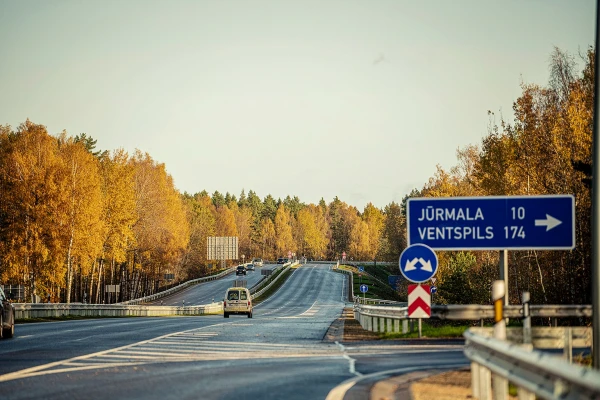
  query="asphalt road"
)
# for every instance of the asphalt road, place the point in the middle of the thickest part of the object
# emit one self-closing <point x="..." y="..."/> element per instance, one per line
<point x="207" y="292"/>
<point x="280" y="353"/>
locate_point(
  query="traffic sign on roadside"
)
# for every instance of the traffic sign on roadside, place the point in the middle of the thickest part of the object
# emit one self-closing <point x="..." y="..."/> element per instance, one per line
<point x="364" y="288"/>
<point x="493" y="222"/>
<point x="361" y="269"/>
<point x="418" y="263"/>
<point x="419" y="301"/>
<point x="394" y="280"/>
<point x="433" y="289"/>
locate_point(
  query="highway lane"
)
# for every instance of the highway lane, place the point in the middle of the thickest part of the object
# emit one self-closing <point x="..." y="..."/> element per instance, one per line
<point x="207" y="292"/>
<point x="280" y="353"/>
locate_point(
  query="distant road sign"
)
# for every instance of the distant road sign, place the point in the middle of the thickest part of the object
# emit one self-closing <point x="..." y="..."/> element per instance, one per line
<point x="222" y="248"/>
<point x="394" y="280"/>
<point x="361" y="269"/>
<point x="419" y="301"/>
<point x="433" y="289"/>
<point x="364" y="288"/>
<point x="493" y="223"/>
<point x="418" y="263"/>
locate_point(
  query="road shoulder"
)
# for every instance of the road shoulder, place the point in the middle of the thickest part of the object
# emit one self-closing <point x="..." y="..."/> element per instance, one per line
<point x="421" y="385"/>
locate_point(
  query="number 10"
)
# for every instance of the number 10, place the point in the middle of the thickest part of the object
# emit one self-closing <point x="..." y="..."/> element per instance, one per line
<point x="518" y="212"/>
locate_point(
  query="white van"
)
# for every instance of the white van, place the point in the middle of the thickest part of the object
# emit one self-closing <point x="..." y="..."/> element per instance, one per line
<point x="237" y="301"/>
<point x="258" y="262"/>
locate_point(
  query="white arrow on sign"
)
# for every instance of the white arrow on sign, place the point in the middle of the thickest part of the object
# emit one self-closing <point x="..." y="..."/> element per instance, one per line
<point x="410" y="264"/>
<point x="426" y="265"/>
<point x="550" y="222"/>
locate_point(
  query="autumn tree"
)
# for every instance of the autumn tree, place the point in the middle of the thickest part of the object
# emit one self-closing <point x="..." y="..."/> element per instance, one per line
<point x="284" y="240"/>
<point x="31" y="250"/>
<point x="79" y="209"/>
<point x="118" y="214"/>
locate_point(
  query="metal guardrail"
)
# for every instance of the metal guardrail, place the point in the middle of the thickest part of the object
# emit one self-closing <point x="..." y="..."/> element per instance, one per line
<point x="350" y="280"/>
<point x="376" y="317"/>
<point x="542" y="337"/>
<point x="46" y="310"/>
<point x="533" y="372"/>
<point x="177" y="288"/>
<point x="265" y="280"/>
<point x="371" y="301"/>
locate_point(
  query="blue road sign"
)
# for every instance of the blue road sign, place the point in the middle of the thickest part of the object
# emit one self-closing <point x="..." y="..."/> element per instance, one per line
<point x="361" y="269"/>
<point x="364" y="288"/>
<point x="493" y="223"/>
<point x="418" y="263"/>
<point x="394" y="280"/>
<point x="433" y="289"/>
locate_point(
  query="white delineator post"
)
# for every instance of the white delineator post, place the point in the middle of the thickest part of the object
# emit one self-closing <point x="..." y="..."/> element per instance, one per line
<point x="499" y="384"/>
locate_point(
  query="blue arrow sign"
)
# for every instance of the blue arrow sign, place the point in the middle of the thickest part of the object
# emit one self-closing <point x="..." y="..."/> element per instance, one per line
<point x="418" y="263"/>
<point x="492" y="223"/>
<point x="364" y="288"/>
<point x="361" y="269"/>
<point x="433" y="289"/>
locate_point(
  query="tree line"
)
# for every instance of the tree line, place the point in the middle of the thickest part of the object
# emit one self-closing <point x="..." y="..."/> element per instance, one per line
<point x="73" y="219"/>
<point x="545" y="149"/>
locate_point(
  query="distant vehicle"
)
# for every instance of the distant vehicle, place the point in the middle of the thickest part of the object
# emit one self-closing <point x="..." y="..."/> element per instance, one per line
<point x="258" y="262"/>
<point x="241" y="270"/>
<point x="250" y="267"/>
<point x="7" y="317"/>
<point x="237" y="301"/>
<point x="281" y="261"/>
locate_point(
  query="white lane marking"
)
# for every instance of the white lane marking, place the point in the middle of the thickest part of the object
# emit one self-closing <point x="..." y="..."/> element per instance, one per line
<point x="273" y="295"/>
<point x="24" y="337"/>
<point x="351" y="361"/>
<point x="338" y="392"/>
<point x="45" y="369"/>
<point x="83" y="338"/>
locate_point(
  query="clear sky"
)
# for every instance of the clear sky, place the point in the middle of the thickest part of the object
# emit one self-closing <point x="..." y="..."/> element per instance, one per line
<point x="355" y="99"/>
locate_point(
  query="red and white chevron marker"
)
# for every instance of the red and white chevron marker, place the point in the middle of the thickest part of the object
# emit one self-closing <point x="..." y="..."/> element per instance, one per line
<point x="419" y="301"/>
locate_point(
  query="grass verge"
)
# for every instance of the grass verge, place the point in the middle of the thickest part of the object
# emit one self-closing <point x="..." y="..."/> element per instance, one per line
<point x="275" y="286"/>
<point x="377" y="289"/>
<point x="429" y="331"/>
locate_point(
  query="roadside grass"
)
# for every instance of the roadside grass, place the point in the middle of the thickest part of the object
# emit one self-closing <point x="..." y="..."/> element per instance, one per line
<point x="275" y="286"/>
<point x="429" y="331"/>
<point x="377" y="290"/>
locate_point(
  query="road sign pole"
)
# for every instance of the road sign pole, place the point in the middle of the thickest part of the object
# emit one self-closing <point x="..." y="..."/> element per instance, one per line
<point x="596" y="206"/>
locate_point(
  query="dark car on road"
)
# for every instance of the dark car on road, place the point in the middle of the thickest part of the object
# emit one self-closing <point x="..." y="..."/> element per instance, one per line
<point x="281" y="261"/>
<point x="241" y="270"/>
<point x="7" y="317"/>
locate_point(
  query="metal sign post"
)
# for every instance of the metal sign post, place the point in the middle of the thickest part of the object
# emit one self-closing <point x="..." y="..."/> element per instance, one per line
<point x="596" y="206"/>
<point x="364" y="289"/>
